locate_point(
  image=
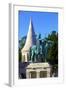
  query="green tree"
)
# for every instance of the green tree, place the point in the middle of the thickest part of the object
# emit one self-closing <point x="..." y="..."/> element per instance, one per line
<point x="53" y="50"/>
<point x="52" y="56"/>
<point x="22" y="42"/>
<point x="21" y="45"/>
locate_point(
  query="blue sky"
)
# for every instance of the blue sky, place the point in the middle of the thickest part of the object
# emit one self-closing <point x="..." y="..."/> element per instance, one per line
<point x="43" y="22"/>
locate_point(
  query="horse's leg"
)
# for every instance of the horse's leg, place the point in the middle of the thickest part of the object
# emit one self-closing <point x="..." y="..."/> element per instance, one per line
<point x="31" y="56"/>
<point x="34" y="57"/>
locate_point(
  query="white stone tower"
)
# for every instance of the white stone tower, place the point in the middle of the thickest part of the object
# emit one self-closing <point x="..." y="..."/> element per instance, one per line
<point x="30" y="40"/>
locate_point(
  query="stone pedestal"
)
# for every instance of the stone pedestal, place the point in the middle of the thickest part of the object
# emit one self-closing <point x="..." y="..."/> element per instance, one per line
<point x="38" y="70"/>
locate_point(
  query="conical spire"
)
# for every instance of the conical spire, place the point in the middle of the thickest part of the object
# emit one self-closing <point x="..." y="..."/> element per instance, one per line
<point x="31" y="37"/>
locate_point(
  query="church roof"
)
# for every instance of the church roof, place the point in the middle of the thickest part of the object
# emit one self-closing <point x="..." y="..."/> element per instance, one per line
<point x="31" y="37"/>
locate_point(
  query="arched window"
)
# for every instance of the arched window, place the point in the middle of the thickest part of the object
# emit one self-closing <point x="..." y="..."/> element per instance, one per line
<point x="33" y="74"/>
<point x="43" y="74"/>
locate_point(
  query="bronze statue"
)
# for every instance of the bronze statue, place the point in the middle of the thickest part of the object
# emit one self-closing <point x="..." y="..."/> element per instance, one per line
<point x="38" y="52"/>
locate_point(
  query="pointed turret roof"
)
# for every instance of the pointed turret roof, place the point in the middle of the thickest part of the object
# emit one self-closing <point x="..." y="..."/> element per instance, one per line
<point x="31" y="37"/>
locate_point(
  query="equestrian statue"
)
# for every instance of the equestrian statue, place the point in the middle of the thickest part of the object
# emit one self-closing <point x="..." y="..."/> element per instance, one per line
<point x="38" y="52"/>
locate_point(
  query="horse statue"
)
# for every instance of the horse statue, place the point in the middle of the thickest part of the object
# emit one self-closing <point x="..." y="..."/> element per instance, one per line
<point x="38" y="52"/>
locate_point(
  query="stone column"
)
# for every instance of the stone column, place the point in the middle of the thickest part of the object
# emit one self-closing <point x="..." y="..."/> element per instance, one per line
<point x="48" y="72"/>
<point x="27" y="74"/>
<point x="37" y="73"/>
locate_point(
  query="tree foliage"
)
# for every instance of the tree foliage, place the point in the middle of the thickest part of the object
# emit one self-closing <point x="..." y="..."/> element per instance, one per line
<point x="52" y="56"/>
<point x="21" y="45"/>
<point x="22" y="42"/>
